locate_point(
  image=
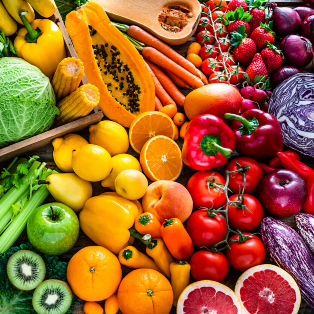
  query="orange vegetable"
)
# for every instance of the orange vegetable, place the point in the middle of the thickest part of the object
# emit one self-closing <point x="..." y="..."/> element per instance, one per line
<point x="158" y="58"/>
<point x="203" y="77"/>
<point x="179" y="118"/>
<point x="167" y="84"/>
<point x="195" y="59"/>
<point x="176" y="79"/>
<point x="147" y="223"/>
<point x="169" y="110"/>
<point x="177" y="240"/>
<point x="194" y="48"/>
<point x="158" y="104"/>
<point x="183" y="129"/>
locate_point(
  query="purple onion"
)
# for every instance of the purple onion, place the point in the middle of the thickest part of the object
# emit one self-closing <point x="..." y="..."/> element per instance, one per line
<point x="281" y="74"/>
<point x="309" y="2"/>
<point x="304" y="11"/>
<point x="308" y="28"/>
<point x="298" y="50"/>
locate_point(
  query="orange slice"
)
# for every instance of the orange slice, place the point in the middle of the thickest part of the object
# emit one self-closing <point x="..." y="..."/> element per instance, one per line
<point x="161" y="159"/>
<point x="148" y="125"/>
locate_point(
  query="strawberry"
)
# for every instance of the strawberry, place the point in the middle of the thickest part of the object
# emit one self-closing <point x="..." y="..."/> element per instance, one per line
<point x="233" y="4"/>
<point x="258" y="16"/>
<point x="245" y="48"/>
<point x="256" y="68"/>
<point x="272" y="57"/>
<point x="262" y="34"/>
<point x="236" y="18"/>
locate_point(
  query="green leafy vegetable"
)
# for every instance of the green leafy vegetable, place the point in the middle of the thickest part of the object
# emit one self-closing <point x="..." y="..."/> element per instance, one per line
<point x="66" y="6"/>
<point x="14" y="301"/>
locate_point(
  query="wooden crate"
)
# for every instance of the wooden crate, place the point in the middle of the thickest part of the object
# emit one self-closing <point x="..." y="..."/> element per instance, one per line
<point x="45" y="138"/>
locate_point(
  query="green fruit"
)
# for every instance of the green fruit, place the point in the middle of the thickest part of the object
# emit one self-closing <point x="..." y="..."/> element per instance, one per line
<point x="52" y="297"/>
<point x="53" y="228"/>
<point x="26" y="270"/>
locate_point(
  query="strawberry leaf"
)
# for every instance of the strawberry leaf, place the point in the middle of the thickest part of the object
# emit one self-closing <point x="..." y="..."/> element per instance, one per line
<point x="237" y="15"/>
<point x="238" y="36"/>
<point x="268" y="27"/>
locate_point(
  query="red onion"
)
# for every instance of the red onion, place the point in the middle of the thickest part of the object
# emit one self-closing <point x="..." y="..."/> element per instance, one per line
<point x="281" y="74"/>
<point x="308" y="28"/>
<point x="298" y="50"/>
<point x="309" y="2"/>
<point x="286" y="20"/>
<point x="304" y="11"/>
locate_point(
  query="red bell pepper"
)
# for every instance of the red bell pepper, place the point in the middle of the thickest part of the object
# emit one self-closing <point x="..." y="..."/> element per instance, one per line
<point x="275" y="162"/>
<point x="309" y="204"/>
<point x="266" y="169"/>
<point x="295" y="165"/>
<point x="257" y="134"/>
<point x="208" y="143"/>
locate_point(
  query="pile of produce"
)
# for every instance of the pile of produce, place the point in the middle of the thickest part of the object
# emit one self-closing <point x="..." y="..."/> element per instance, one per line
<point x="185" y="185"/>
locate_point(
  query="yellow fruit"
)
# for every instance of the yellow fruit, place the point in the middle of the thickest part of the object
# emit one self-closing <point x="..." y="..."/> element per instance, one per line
<point x="111" y="136"/>
<point x="63" y="148"/>
<point x="91" y="162"/>
<point x="119" y="163"/>
<point x="131" y="184"/>
<point x="7" y="23"/>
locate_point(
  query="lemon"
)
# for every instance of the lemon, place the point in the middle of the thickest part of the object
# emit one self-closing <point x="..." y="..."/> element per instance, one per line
<point x="91" y="162"/>
<point x="63" y="148"/>
<point x="111" y="136"/>
<point x="119" y="163"/>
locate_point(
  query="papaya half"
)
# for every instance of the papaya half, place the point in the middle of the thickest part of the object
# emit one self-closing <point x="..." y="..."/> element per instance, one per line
<point x="112" y="64"/>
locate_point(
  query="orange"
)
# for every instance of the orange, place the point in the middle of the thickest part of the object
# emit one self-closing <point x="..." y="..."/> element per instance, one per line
<point x="145" y="291"/>
<point x="92" y="308"/>
<point x="94" y="273"/>
<point x="148" y="125"/>
<point x="179" y="118"/>
<point x="112" y="305"/>
<point x="161" y="159"/>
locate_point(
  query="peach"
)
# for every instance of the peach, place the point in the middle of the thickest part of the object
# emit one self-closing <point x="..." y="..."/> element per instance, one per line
<point x="168" y="199"/>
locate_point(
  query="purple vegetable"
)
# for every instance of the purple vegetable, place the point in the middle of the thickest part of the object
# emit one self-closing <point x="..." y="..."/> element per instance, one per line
<point x="305" y="227"/>
<point x="259" y="96"/>
<point x="247" y="92"/>
<point x="298" y="50"/>
<point x="281" y="74"/>
<point x="289" y="251"/>
<point x="309" y="2"/>
<point x="248" y="104"/>
<point x="303" y="12"/>
<point x="292" y="103"/>
<point x="308" y="28"/>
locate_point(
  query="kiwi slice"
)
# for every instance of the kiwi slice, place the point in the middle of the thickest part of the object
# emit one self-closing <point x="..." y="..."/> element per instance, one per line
<point x="52" y="297"/>
<point x="26" y="270"/>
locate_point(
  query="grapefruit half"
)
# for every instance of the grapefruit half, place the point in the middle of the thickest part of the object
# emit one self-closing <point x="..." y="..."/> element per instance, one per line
<point x="267" y="289"/>
<point x="208" y="297"/>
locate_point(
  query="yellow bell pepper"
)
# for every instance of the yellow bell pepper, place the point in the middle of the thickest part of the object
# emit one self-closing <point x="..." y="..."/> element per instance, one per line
<point x="180" y="277"/>
<point x="106" y="219"/>
<point x="41" y="44"/>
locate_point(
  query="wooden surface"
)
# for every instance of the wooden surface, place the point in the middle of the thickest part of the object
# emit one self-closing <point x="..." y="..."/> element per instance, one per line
<point x="45" y="154"/>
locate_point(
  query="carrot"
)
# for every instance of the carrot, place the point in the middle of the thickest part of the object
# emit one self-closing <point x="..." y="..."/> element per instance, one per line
<point x="167" y="84"/>
<point x="155" y="56"/>
<point x="158" y="104"/>
<point x="203" y="77"/>
<point x="159" y="90"/>
<point x="150" y="41"/>
<point x="176" y="79"/>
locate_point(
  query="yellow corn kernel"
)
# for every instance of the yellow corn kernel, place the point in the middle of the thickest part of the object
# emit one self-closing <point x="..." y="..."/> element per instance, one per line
<point x="67" y="77"/>
<point x="78" y="104"/>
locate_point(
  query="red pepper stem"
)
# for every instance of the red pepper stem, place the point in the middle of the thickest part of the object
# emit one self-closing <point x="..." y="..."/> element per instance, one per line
<point x="32" y="34"/>
<point x="246" y="123"/>
<point x="226" y="152"/>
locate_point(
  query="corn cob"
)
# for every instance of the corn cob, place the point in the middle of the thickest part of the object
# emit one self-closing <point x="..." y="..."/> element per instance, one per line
<point x="78" y="104"/>
<point x="67" y="77"/>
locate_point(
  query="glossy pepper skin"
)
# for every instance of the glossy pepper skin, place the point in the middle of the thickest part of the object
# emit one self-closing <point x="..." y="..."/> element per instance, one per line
<point x="275" y="162"/>
<point x="257" y="134"/>
<point x="208" y="143"/>
<point x="177" y="239"/>
<point x="180" y="277"/>
<point x="309" y="204"/>
<point x="41" y="44"/>
<point x="147" y="223"/>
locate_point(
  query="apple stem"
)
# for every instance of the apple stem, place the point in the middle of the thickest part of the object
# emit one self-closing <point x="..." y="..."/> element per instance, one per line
<point x="43" y="182"/>
<point x="54" y="217"/>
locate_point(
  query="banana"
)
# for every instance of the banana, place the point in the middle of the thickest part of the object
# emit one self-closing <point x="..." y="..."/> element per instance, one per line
<point x="14" y="6"/>
<point x="45" y="8"/>
<point x="7" y="23"/>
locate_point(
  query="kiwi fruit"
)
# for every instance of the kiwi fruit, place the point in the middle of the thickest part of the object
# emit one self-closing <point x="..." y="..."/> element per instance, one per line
<point x="26" y="270"/>
<point x="52" y="297"/>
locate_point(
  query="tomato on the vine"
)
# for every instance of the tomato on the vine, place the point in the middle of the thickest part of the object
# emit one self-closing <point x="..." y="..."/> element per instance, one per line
<point x="208" y="51"/>
<point x="204" y="10"/>
<point x="214" y="4"/>
<point x="244" y="255"/>
<point x="247" y="218"/>
<point x="218" y="77"/>
<point x="237" y="74"/>
<point x="207" y="265"/>
<point x="217" y="15"/>
<point x="210" y="66"/>
<point x="228" y="59"/>
<point x="254" y="174"/>
<point x="219" y="29"/>
<point x="200" y="26"/>
<point x="209" y="38"/>
<point x="223" y="43"/>
<point x="206" y="228"/>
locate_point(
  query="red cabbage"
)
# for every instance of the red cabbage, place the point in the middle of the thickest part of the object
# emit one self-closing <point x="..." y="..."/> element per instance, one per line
<point x="292" y="103"/>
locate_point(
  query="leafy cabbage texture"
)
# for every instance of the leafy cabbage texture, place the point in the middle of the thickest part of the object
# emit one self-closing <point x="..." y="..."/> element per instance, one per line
<point x="27" y="101"/>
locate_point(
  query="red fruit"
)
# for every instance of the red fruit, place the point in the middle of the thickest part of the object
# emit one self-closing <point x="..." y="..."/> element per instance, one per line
<point x="210" y="66"/>
<point x="262" y="34"/>
<point x="205" y="38"/>
<point x="223" y="43"/>
<point x="258" y="16"/>
<point x="237" y="18"/>
<point x="245" y="51"/>
<point x="272" y="58"/>
<point x="208" y="51"/>
<point x="204" y="10"/>
<point x="228" y="59"/>
<point x="257" y="67"/>
<point x="201" y="25"/>
<point x="234" y="26"/>
<point x="233" y="4"/>
<point x="218" y="77"/>
<point x="218" y="15"/>
<point x="236" y="74"/>
<point x="220" y="30"/>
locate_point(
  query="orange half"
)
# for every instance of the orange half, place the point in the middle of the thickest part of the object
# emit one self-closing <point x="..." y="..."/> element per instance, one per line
<point x="148" y="125"/>
<point x="161" y="159"/>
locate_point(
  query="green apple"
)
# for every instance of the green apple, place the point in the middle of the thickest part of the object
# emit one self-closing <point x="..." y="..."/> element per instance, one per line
<point x="53" y="228"/>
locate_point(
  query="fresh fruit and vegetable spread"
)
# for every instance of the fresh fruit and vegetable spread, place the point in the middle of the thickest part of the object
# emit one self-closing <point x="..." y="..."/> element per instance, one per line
<point x="194" y="194"/>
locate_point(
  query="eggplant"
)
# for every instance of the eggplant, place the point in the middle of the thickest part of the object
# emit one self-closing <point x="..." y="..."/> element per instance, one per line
<point x="290" y="252"/>
<point x="305" y="227"/>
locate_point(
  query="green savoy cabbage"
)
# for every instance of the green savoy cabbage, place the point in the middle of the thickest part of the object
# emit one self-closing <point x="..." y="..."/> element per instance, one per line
<point x="27" y="101"/>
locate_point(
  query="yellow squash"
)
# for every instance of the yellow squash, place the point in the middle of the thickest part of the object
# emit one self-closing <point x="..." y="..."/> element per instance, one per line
<point x="45" y="8"/>
<point x="7" y="23"/>
<point x="14" y="6"/>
